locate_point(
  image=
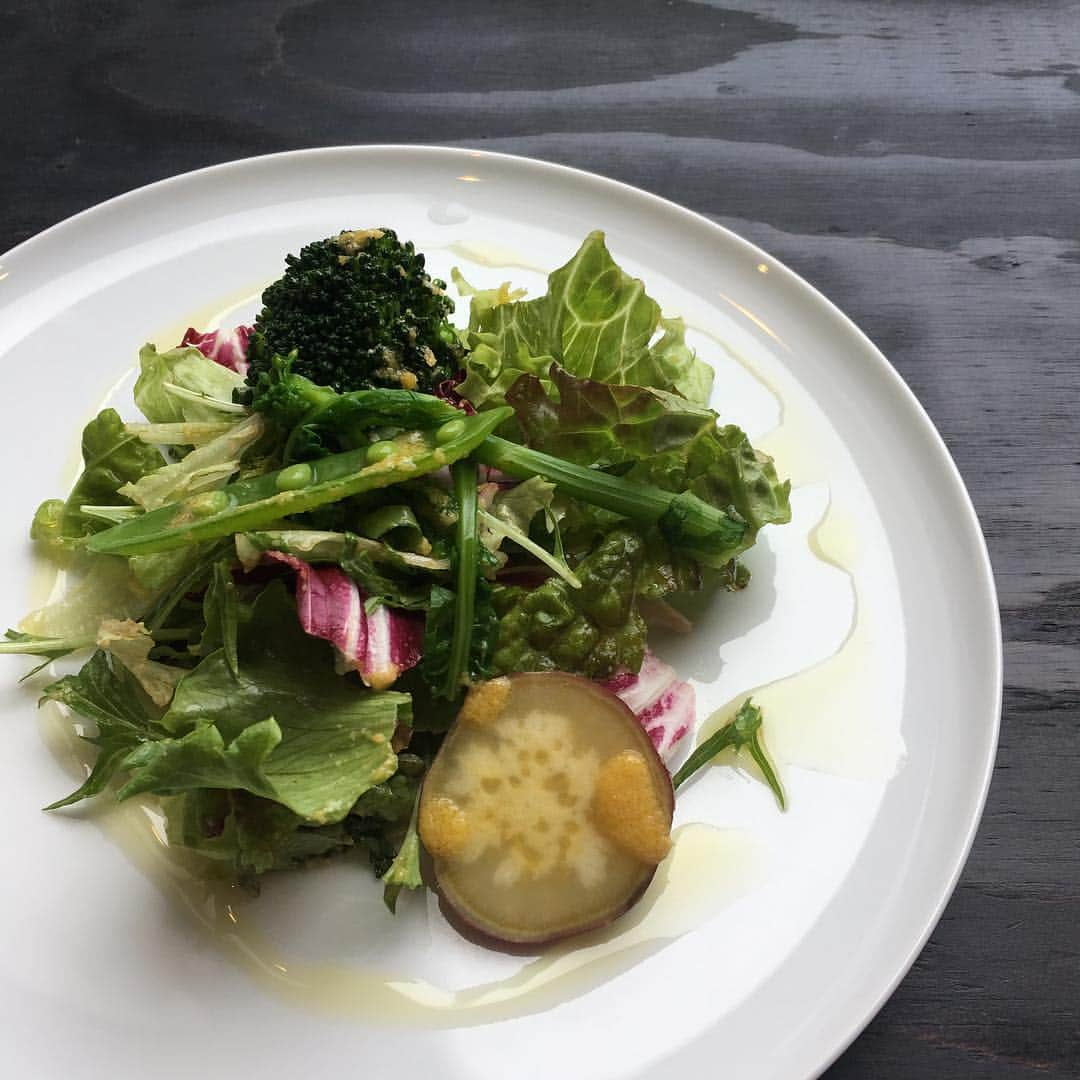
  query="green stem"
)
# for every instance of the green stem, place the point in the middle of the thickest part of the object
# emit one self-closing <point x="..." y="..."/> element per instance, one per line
<point x="246" y="505"/>
<point x="468" y="554"/>
<point x="508" y="532"/>
<point x="185" y="394"/>
<point x="713" y="534"/>
<point x="744" y="730"/>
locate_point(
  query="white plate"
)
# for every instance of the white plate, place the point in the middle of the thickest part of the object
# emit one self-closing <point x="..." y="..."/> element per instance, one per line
<point x="779" y="935"/>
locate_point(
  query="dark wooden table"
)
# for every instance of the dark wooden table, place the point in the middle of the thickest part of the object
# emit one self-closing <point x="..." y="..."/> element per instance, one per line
<point x="918" y="162"/>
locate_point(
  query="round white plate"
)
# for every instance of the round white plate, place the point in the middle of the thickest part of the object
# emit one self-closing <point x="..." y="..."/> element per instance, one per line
<point x="779" y="934"/>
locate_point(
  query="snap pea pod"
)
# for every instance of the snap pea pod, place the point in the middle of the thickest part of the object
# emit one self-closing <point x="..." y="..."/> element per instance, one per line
<point x="255" y="503"/>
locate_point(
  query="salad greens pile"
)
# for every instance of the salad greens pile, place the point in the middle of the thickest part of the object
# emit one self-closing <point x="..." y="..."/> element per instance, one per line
<point x="326" y="526"/>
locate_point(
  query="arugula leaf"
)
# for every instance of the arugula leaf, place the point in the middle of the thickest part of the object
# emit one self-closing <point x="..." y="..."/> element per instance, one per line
<point x="111" y="458"/>
<point x="286" y="727"/>
<point x="595" y="320"/>
<point x="404" y="871"/>
<point x="190" y="370"/>
<point x="743" y="731"/>
<point x="221" y="614"/>
<point x="110" y="696"/>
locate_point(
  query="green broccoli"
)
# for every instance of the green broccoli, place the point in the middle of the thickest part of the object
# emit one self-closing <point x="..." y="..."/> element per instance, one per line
<point x="360" y="312"/>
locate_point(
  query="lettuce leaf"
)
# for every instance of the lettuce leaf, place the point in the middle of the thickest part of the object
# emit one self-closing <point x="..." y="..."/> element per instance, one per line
<point x="595" y="320"/>
<point x="652" y="437"/>
<point x="130" y="643"/>
<point x="107" y="590"/>
<point x="595" y="630"/>
<point x="205" y="468"/>
<point x="286" y="727"/>
<point x="190" y="370"/>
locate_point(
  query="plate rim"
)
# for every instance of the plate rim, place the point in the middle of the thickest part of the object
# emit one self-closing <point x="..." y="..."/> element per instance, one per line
<point x="916" y="414"/>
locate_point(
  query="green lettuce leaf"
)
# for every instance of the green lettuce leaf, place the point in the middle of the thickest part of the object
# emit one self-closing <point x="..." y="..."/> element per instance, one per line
<point x="188" y="369"/>
<point x="595" y="630"/>
<point x="285" y="728"/>
<point x="595" y="320"/>
<point x="205" y="468"/>
<point x="107" y="590"/>
<point x="112" y="458"/>
<point x="652" y="437"/>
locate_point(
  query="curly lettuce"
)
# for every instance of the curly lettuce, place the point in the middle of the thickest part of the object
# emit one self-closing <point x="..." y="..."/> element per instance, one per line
<point x="595" y="320"/>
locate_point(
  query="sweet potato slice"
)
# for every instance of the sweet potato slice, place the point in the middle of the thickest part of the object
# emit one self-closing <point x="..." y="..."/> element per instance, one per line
<point x="546" y="810"/>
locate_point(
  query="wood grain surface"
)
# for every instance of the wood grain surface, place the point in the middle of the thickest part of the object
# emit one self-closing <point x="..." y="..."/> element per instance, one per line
<point x="919" y="162"/>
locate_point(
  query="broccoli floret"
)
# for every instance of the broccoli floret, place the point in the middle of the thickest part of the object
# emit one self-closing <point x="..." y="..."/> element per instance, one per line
<point x="360" y="312"/>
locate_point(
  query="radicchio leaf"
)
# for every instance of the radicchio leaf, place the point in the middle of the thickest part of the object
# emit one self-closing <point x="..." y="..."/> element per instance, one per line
<point x="663" y="705"/>
<point x="378" y="644"/>
<point x="225" y="347"/>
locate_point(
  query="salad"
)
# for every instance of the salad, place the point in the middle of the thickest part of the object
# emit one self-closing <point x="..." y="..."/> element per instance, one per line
<point x="360" y="582"/>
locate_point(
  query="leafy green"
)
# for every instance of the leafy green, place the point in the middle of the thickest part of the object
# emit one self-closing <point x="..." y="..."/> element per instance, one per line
<point x="595" y="630"/>
<point x="595" y="320"/>
<point x="206" y="468"/>
<point x="106" y="590"/>
<point x="252" y="834"/>
<point x="190" y="572"/>
<point x="404" y="871"/>
<point x="744" y="731"/>
<point x="439" y="633"/>
<point x="387" y="576"/>
<point x="467" y="558"/>
<point x="130" y="643"/>
<point x="111" y="459"/>
<point x="390" y="802"/>
<point x="155" y="573"/>
<point x="221" y="616"/>
<point x="110" y="696"/>
<point x="396" y="526"/>
<point x="286" y="727"/>
<point x="667" y="442"/>
<point x="190" y="370"/>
